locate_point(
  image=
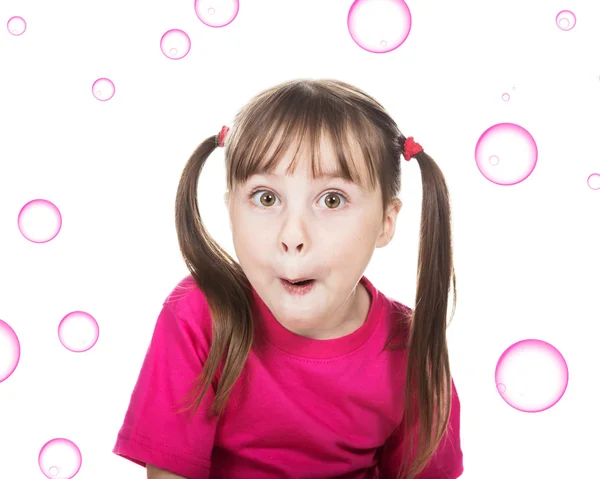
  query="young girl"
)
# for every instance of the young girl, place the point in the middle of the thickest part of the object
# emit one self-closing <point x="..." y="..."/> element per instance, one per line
<point x="328" y="379"/>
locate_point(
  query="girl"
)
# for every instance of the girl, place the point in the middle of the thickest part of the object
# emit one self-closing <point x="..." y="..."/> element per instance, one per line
<point x="325" y="379"/>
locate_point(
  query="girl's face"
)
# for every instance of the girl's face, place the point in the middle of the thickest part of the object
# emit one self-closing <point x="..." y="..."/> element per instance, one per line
<point x="293" y="227"/>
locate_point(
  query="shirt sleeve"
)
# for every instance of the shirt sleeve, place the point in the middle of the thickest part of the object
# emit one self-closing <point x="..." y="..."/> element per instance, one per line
<point x="447" y="460"/>
<point x="152" y="432"/>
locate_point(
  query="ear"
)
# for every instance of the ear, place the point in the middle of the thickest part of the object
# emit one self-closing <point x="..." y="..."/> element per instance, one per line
<point x="226" y="199"/>
<point x="389" y="223"/>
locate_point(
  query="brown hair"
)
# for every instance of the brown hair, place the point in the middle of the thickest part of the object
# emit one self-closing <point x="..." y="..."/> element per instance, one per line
<point x="280" y="117"/>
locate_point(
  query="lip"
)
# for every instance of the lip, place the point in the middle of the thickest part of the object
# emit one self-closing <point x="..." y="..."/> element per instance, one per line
<point x="297" y="290"/>
<point x="297" y="280"/>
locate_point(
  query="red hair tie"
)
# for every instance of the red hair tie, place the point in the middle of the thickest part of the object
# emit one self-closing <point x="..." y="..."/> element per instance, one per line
<point x="222" y="135"/>
<point x="411" y="148"/>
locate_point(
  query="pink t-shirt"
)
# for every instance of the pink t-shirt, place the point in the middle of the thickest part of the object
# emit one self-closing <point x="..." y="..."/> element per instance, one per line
<point x="302" y="408"/>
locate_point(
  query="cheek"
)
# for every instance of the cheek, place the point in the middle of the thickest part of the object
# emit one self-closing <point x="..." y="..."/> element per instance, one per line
<point x="242" y="224"/>
<point x="355" y="242"/>
<point x="345" y="247"/>
<point x="250" y="241"/>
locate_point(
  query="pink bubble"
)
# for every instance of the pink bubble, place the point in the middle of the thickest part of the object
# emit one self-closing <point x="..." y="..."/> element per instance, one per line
<point x="10" y="351"/>
<point x="505" y="96"/>
<point x="175" y="44"/>
<point x="593" y="181"/>
<point x="78" y="331"/>
<point x="565" y="20"/>
<point x="39" y="221"/>
<point x="379" y="26"/>
<point x="216" y="13"/>
<point x="59" y="459"/>
<point x="531" y="375"/>
<point x="506" y="154"/>
<point x="16" y="26"/>
<point x="103" y="89"/>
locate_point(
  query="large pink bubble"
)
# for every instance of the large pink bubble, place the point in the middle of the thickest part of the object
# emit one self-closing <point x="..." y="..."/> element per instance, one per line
<point x="175" y="44"/>
<point x="16" y="26"/>
<point x="78" y="331"/>
<point x="379" y="26"/>
<point x="506" y="154"/>
<point x="565" y="20"/>
<point x="39" y="221"/>
<point x="593" y="181"/>
<point x="531" y="375"/>
<point x="10" y="351"/>
<point x="103" y="89"/>
<point x="216" y="13"/>
<point x="59" y="459"/>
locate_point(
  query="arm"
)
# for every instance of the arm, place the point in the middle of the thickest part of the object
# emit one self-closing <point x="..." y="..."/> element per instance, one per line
<point x="156" y="473"/>
<point x="447" y="460"/>
<point x="153" y="431"/>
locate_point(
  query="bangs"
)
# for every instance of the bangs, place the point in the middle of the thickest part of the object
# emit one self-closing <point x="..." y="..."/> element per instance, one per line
<point x="307" y="121"/>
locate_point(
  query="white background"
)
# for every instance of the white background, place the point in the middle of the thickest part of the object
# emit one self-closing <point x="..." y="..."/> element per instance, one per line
<point x="526" y="255"/>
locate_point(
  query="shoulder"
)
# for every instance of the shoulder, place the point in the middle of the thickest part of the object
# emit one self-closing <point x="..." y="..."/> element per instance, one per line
<point x="399" y="317"/>
<point x="390" y="307"/>
<point x="189" y="304"/>
<point x="400" y="311"/>
<point x="186" y="297"/>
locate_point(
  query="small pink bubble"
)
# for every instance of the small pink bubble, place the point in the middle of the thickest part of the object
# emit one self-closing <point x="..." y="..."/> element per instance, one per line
<point x="39" y="221"/>
<point x="505" y="96"/>
<point x="593" y="181"/>
<point x="513" y="149"/>
<point x="175" y="44"/>
<point x="10" y="351"/>
<point x="59" y="459"/>
<point x="103" y="89"/>
<point x="531" y="375"/>
<point x="565" y="20"/>
<point x="216" y="13"/>
<point x="16" y="26"/>
<point x="78" y="331"/>
<point x="379" y="26"/>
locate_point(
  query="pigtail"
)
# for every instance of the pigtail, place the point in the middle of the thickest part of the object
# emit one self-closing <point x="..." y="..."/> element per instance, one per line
<point x="221" y="279"/>
<point x="428" y="379"/>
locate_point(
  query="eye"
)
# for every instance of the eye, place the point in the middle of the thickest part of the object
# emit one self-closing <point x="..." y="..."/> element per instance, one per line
<point x="269" y="196"/>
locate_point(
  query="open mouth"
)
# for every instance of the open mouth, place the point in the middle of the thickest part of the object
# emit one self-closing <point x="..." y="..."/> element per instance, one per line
<point x="298" y="288"/>
<point x="299" y="283"/>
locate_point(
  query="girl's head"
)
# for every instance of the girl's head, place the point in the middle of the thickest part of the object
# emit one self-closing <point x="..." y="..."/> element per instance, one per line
<point x="290" y="221"/>
<point x="305" y="199"/>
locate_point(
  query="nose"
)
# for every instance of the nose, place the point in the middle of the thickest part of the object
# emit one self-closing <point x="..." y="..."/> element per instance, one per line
<point x="294" y="238"/>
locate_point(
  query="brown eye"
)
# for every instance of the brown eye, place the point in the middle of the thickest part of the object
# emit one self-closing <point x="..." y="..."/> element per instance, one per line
<point x="269" y="197"/>
<point x="330" y="200"/>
